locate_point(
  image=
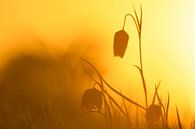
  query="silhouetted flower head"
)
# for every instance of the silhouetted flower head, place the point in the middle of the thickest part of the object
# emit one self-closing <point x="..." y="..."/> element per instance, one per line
<point x="153" y="113"/>
<point x="120" y="43"/>
<point x="91" y="100"/>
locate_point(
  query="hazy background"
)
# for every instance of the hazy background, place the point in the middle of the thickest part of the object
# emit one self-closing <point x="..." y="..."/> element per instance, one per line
<point x="168" y="40"/>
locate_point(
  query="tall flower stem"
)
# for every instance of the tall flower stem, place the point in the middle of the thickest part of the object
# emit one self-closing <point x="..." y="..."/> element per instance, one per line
<point x="138" y="24"/>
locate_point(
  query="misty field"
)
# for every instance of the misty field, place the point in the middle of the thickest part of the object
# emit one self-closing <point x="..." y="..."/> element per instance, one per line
<point x="43" y="91"/>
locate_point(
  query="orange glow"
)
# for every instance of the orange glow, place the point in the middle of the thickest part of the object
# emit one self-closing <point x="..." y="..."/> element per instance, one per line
<point x="168" y="39"/>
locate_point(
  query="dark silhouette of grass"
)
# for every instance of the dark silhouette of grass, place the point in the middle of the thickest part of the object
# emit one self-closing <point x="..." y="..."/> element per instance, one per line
<point x="178" y="119"/>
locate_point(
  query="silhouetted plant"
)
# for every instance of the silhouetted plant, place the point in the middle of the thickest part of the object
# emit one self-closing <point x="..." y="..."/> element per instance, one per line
<point x="121" y="39"/>
<point x="92" y="100"/>
<point x="153" y="112"/>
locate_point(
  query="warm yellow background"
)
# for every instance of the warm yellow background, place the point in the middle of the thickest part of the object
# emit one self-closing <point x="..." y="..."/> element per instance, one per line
<point x="168" y="39"/>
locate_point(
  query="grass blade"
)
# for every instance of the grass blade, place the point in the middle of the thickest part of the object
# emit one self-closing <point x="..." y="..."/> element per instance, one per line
<point x="178" y="119"/>
<point x="156" y="91"/>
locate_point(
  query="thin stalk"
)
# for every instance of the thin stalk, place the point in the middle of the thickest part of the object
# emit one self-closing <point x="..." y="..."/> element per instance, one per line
<point x="134" y="20"/>
<point x="140" y="55"/>
<point x="137" y="118"/>
<point x="107" y="113"/>
<point x="138" y="24"/>
<point x="167" y="110"/>
<point x="128" y="118"/>
<point x="178" y="119"/>
<point x="156" y="91"/>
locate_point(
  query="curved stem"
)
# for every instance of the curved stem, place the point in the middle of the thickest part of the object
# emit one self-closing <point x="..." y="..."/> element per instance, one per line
<point x="141" y="18"/>
<point x="136" y="22"/>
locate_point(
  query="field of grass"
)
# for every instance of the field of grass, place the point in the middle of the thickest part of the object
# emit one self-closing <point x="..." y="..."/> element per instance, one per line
<point x="36" y="95"/>
<point x="45" y="92"/>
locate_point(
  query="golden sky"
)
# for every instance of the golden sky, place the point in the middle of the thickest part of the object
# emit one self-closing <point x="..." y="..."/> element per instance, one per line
<point x="168" y="38"/>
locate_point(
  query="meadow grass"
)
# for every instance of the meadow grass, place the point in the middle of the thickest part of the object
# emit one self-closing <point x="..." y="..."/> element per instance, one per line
<point x="41" y="92"/>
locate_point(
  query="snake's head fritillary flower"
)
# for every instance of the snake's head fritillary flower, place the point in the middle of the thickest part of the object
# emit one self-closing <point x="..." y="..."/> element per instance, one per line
<point x="153" y="113"/>
<point x="120" y="43"/>
<point x="91" y="100"/>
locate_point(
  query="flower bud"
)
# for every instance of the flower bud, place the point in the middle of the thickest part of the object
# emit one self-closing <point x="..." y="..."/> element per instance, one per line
<point x="120" y="43"/>
<point x="153" y="113"/>
<point x="91" y="100"/>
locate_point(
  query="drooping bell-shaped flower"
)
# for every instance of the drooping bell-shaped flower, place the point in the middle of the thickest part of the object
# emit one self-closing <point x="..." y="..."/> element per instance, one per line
<point x="153" y="113"/>
<point x="120" y="43"/>
<point x="91" y="100"/>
